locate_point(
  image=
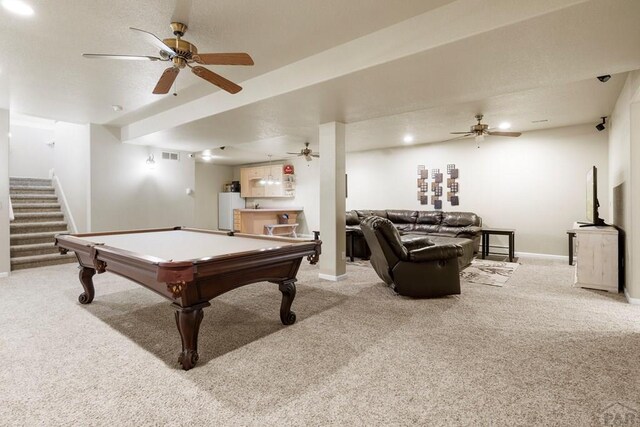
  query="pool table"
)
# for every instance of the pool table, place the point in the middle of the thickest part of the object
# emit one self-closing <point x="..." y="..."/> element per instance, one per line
<point x="190" y="267"/>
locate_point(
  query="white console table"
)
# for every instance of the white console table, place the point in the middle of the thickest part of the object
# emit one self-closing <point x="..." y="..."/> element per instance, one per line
<point x="596" y="257"/>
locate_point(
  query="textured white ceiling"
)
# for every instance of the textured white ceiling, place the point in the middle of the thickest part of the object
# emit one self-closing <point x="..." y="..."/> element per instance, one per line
<point x="41" y="56"/>
<point x="508" y="66"/>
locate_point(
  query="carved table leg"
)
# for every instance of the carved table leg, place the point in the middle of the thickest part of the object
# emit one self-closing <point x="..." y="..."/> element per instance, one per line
<point x="288" y="289"/>
<point x="86" y="278"/>
<point x="188" y="321"/>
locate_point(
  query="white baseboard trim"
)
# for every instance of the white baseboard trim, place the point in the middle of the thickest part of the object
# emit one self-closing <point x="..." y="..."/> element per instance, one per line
<point x="634" y="301"/>
<point x="543" y="256"/>
<point x="332" y="278"/>
<point x="4" y="274"/>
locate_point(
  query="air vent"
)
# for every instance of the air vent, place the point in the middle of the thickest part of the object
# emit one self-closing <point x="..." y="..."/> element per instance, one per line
<point x="166" y="155"/>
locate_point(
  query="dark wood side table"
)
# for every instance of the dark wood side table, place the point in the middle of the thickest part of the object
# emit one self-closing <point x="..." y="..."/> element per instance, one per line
<point x="350" y="238"/>
<point x="486" y="232"/>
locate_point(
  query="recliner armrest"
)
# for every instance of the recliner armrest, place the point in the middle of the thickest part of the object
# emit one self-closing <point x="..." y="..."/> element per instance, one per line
<point x="471" y="230"/>
<point x="417" y="243"/>
<point x="434" y="253"/>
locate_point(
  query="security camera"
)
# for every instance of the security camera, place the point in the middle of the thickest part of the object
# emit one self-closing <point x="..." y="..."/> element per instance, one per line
<point x="191" y="155"/>
<point x="600" y="126"/>
<point x="223" y="147"/>
<point x="604" y="79"/>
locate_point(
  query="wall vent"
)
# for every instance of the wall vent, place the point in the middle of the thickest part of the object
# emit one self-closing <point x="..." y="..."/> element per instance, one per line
<point x="166" y="155"/>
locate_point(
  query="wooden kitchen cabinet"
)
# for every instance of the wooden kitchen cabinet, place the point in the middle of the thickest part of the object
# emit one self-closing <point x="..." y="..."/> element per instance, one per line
<point x="251" y="186"/>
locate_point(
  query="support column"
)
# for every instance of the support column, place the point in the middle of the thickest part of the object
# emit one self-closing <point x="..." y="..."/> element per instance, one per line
<point x="332" y="201"/>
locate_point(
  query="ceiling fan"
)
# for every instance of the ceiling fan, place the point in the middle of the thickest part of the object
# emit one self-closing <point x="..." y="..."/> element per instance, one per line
<point x="306" y="152"/>
<point x="480" y="130"/>
<point x="183" y="54"/>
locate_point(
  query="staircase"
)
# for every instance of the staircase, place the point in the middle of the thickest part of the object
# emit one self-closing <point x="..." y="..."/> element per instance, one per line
<point x="38" y="218"/>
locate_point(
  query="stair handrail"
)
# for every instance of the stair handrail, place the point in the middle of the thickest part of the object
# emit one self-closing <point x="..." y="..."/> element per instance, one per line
<point x="63" y="202"/>
<point x="11" y="215"/>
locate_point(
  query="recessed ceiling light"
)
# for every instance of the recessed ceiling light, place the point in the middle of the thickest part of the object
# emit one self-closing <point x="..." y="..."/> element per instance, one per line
<point x="504" y="125"/>
<point x="207" y="157"/>
<point x="408" y="139"/>
<point x="115" y="107"/>
<point x="18" y="7"/>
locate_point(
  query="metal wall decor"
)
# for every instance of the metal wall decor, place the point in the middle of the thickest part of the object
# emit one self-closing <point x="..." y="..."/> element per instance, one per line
<point x="425" y="186"/>
<point x="452" y="185"/>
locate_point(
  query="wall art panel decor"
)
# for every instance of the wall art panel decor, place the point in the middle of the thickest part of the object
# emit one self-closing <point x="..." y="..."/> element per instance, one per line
<point x="452" y="185"/>
<point x="430" y="186"/>
<point x="423" y="185"/>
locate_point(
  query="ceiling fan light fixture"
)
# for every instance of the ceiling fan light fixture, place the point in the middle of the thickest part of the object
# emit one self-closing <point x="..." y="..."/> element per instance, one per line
<point x="18" y="7"/>
<point x="504" y="125"/>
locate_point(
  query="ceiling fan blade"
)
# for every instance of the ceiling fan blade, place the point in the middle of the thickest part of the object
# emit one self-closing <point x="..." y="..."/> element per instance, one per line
<point x="460" y="133"/>
<point x="216" y="79"/>
<point x="166" y="80"/>
<point x="125" y="57"/>
<point x="295" y="154"/>
<point x="154" y="40"/>
<point x="458" y="137"/>
<point x="514" y="134"/>
<point x="317" y="156"/>
<point x="223" y="59"/>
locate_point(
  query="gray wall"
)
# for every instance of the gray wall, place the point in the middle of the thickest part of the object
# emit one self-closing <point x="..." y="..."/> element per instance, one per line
<point x="71" y="163"/>
<point x="623" y="159"/>
<point x="5" y="264"/>
<point x="210" y="179"/>
<point x="29" y="154"/>
<point x="125" y="194"/>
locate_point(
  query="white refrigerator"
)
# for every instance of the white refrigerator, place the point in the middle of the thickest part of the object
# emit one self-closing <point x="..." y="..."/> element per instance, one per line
<point x="227" y="202"/>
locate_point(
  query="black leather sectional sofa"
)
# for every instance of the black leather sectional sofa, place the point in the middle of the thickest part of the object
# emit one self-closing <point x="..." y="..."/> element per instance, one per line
<point x="463" y="228"/>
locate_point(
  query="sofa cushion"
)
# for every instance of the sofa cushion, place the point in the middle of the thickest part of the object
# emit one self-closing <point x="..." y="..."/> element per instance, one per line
<point x="460" y="219"/>
<point x="352" y="218"/>
<point x="402" y="216"/>
<point x="445" y="230"/>
<point x="363" y="213"/>
<point x="425" y="228"/>
<point x="429" y="217"/>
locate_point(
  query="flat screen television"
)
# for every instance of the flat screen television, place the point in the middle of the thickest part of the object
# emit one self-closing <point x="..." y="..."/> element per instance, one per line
<point x="593" y="218"/>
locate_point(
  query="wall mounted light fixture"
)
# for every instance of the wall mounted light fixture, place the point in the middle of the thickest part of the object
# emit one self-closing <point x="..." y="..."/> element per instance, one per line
<point x="151" y="162"/>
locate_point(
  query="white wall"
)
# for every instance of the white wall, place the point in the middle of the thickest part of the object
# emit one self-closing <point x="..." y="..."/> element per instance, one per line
<point x="210" y="180"/>
<point x="623" y="149"/>
<point x="535" y="183"/>
<point x="70" y="159"/>
<point x="29" y="152"/>
<point x="307" y="193"/>
<point x="5" y="263"/>
<point x="125" y="194"/>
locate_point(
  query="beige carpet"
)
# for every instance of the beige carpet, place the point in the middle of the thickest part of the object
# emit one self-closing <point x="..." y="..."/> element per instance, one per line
<point x="534" y="352"/>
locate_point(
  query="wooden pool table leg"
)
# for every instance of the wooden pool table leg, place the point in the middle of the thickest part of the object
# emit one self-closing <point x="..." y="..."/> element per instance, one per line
<point x="86" y="278"/>
<point x="188" y="321"/>
<point x="288" y="289"/>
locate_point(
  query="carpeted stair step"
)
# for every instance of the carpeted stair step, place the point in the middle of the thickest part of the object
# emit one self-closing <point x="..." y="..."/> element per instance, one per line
<point x="29" y="181"/>
<point x="35" y="207"/>
<point x="38" y="227"/>
<point x="22" y="217"/>
<point x="32" y="238"/>
<point x="31" y="189"/>
<point x="33" y="249"/>
<point x="34" y="198"/>
<point x="20" y="263"/>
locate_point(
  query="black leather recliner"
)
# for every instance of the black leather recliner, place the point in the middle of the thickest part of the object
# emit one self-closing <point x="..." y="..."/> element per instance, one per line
<point x="416" y="268"/>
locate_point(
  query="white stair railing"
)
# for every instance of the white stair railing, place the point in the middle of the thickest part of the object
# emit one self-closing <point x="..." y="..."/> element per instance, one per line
<point x="66" y="211"/>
